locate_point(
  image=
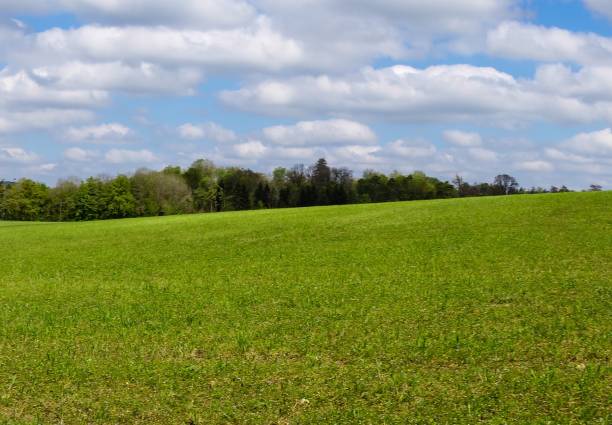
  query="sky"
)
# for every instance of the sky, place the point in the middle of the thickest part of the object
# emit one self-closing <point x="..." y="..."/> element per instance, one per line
<point x="473" y="87"/>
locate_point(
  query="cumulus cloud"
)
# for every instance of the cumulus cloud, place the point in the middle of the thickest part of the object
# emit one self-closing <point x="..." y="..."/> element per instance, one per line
<point x="603" y="7"/>
<point x="535" y="166"/>
<point x="103" y="133"/>
<point x="40" y="119"/>
<point x="79" y="155"/>
<point x="317" y="133"/>
<point x="484" y="155"/>
<point x="453" y="93"/>
<point x="257" y="46"/>
<point x="16" y="154"/>
<point x="594" y="143"/>
<point x="47" y="168"/>
<point x="517" y="40"/>
<point x="411" y="149"/>
<point x="200" y="13"/>
<point x="209" y="131"/>
<point x="122" y="156"/>
<point x="19" y="88"/>
<point x="25" y="104"/>
<point x="196" y="13"/>
<point x="253" y="149"/>
<point x="385" y="28"/>
<point x="462" y="138"/>
<point x="588" y="153"/>
<point x="143" y="77"/>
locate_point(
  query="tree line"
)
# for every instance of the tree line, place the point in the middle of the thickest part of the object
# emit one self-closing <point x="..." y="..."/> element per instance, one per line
<point x="204" y="187"/>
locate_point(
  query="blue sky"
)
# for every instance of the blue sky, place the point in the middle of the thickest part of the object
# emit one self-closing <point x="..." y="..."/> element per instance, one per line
<point x="476" y="88"/>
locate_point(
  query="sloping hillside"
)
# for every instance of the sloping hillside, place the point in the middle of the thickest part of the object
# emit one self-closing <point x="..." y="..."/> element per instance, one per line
<point x="459" y="311"/>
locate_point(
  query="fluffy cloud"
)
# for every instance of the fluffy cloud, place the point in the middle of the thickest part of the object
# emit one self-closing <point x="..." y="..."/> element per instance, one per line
<point x="518" y="40"/>
<point x="143" y="77"/>
<point x="317" y="133"/>
<point x="40" y="119"/>
<point x="603" y="7"/>
<point x="453" y="93"/>
<point x="384" y="28"/>
<point x="200" y="13"/>
<point x="584" y="154"/>
<point x="19" y="88"/>
<point x="79" y="155"/>
<point x="257" y="46"/>
<point x="196" y="13"/>
<point x="104" y="133"/>
<point x="594" y="143"/>
<point x="411" y="149"/>
<point x="250" y="150"/>
<point x="15" y="154"/>
<point x="207" y="131"/>
<point x="25" y="104"/>
<point x="535" y="166"/>
<point x="122" y="156"/>
<point x="462" y="138"/>
<point x="484" y="155"/>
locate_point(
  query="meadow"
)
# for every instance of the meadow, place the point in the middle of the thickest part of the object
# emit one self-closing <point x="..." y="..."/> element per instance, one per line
<point x="482" y="310"/>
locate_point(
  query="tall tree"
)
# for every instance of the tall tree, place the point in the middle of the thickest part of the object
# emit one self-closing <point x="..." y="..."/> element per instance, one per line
<point x="506" y="183"/>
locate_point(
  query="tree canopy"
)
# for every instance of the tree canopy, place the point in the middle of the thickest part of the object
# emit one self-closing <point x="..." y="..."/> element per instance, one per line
<point x="204" y="187"/>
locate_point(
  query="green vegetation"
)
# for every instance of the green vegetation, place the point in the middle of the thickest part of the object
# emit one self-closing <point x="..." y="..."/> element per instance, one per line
<point x="203" y="187"/>
<point x="476" y="310"/>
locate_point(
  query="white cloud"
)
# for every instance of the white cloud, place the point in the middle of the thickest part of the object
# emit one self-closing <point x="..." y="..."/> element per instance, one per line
<point x="26" y="104"/>
<point x="121" y="156"/>
<point x="590" y="84"/>
<point x="485" y="155"/>
<point x="462" y="138"/>
<point x="196" y="13"/>
<point x="103" y="133"/>
<point x="47" y="168"/>
<point x="143" y="77"/>
<point x="584" y="154"/>
<point x="250" y="150"/>
<point x="594" y="143"/>
<point x="453" y="93"/>
<point x="80" y="155"/>
<point x="603" y="7"/>
<point x="358" y="155"/>
<point x="535" y="166"/>
<point x="40" y="119"/>
<point x="15" y="154"/>
<point x="517" y="40"/>
<point x="20" y="88"/>
<point x="411" y="149"/>
<point x="317" y="133"/>
<point x="199" y="13"/>
<point x="257" y="46"/>
<point x="207" y="131"/>
<point x="383" y="28"/>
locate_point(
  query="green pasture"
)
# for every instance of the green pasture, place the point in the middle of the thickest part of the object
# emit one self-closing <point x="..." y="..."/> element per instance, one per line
<point x="491" y="310"/>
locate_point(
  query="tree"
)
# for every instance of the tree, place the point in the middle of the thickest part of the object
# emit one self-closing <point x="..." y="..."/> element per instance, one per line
<point x="320" y="178"/>
<point x="460" y="185"/>
<point x="91" y="200"/>
<point x="121" y="202"/>
<point x="157" y="193"/>
<point x="62" y="199"/>
<point x="595" y="188"/>
<point x="200" y="171"/>
<point x="25" y="200"/>
<point x="507" y="184"/>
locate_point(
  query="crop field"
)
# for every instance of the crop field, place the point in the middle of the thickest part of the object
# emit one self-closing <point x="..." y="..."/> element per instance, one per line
<point x="489" y="310"/>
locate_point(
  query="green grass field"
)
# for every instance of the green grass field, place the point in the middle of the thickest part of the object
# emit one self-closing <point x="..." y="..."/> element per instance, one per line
<point x="491" y="310"/>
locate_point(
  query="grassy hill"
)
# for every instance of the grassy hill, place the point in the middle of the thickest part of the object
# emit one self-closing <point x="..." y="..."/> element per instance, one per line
<point x="494" y="310"/>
